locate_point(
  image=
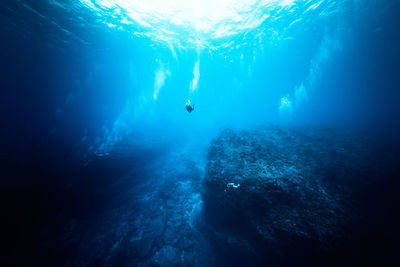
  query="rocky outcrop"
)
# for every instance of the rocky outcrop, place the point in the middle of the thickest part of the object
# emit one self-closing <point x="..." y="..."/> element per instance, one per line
<point x="272" y="189"/>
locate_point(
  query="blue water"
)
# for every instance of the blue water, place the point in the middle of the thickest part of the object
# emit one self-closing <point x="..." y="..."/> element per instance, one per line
<point x="103" y="165"/>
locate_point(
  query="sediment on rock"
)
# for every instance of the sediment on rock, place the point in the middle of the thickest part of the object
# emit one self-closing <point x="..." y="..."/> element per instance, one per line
<point x="273" y="189"/>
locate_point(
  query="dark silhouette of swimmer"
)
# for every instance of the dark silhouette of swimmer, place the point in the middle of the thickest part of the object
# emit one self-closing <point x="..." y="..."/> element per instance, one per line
<point x="189" y="108"/>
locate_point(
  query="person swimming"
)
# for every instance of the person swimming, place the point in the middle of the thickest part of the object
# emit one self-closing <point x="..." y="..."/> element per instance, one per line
<point x="189" y="108"/>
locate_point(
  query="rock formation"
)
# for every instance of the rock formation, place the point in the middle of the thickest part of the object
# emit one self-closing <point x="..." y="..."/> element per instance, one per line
<point x="279" y="191"/>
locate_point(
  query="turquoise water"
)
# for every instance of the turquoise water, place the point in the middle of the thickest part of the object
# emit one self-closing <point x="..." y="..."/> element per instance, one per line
<point x="111" y="67"/>
<point x="94" y="119"/>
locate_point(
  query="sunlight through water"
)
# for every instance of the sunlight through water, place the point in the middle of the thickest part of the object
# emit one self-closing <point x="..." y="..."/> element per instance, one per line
<point x="205" y="23"/>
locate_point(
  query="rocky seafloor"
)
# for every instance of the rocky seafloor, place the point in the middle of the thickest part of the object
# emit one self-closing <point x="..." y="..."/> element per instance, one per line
<point x="298" y="197"/>
<point x="269" y="196"/>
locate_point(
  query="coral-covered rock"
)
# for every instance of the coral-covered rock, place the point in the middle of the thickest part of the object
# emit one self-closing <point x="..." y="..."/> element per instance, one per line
<point x="274" y="188"/>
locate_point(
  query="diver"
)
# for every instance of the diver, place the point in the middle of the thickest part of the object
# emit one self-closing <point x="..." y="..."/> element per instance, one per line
<point x="189" y="108"/>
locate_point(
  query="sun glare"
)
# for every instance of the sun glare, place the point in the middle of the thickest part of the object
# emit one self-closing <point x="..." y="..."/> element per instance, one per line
<point x="197" y="22"/>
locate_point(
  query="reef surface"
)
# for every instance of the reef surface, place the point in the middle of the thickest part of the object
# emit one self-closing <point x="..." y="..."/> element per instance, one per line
<point x="300" y="196"/>
<point x="270" y="196"/>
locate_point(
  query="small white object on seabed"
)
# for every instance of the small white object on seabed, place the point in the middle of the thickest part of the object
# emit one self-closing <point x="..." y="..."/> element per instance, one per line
<point x="232" y="185"/>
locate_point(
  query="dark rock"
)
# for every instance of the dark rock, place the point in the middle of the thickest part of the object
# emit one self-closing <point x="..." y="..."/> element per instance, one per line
<point x="271" y="190"/>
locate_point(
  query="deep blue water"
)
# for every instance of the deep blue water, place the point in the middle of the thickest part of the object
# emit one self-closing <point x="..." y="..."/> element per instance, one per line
<point x="101" y="164"/>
